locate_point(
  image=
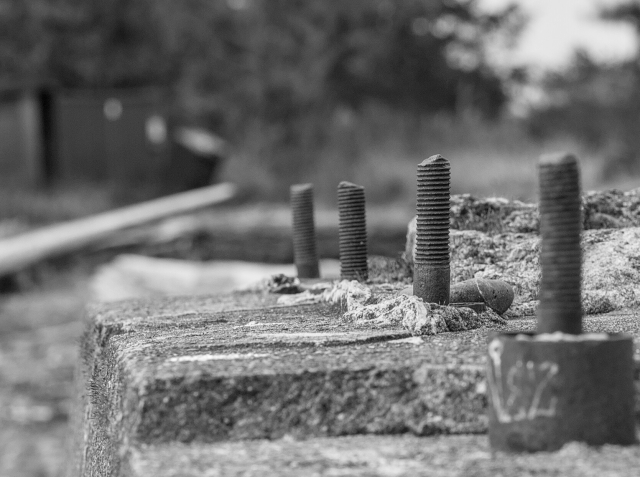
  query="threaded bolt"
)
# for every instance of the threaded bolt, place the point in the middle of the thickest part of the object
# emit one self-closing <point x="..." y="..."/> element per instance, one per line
<point x="352" y="232"/>
<point x="560" y="257"/>
<point x="431" y="273"/>
<point x="304" y="231"/>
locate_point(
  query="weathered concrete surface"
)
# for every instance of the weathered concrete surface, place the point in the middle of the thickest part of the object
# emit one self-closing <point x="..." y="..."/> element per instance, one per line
<point x="390" y="306"/>
<point x="609" y="209"/>
<point x="232" y="367"/>
<point x="379" y="456"/>
<point x="498" y="238"/>
<point x="610" y="269"/>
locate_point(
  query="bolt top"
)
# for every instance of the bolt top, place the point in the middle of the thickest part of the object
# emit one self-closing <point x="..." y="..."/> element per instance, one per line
<point x="301" y="187"/>
<point x="557" y="159"/>
<point x="437" y="158"/>
<point x="349" y="185"/>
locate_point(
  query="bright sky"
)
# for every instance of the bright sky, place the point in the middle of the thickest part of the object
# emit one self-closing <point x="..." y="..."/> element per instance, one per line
<point x="557" y="27"/>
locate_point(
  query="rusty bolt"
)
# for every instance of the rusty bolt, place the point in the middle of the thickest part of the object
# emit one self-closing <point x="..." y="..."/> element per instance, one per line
<point x="546" y="390"/>
<point x="431" y="275"/>
<point x="560" y="257"/>
<point x="304" y="231"/>
<point x="352" y="232"/>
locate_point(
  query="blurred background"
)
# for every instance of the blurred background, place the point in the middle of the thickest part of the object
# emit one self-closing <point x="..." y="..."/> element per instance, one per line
<point x="97" y="92"/>
<point x="106" y="103"/>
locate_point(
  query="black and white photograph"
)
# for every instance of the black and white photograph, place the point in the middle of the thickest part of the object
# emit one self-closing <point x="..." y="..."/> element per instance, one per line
<point x="319" y="238"/>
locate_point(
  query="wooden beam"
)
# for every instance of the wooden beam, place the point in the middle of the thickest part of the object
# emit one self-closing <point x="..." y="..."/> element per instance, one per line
<point x="21" y="251"/>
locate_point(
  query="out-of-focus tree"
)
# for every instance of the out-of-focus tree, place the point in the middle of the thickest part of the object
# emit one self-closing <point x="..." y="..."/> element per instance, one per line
<point x="284" y="65"/>
<point x="590" y="100"/>
<point x="599" y="103"/>
<point x="22" y="43"/>
<point x="411" y="52"/>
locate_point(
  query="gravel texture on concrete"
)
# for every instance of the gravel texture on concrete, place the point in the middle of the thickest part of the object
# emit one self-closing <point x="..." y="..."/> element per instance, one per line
<point x="388" y="305"/>
<point x="497" y="238"/>
<point x="235" y="367"/>
<point x="194" y="386"/>
<point x="610" y="270"/>
<point x="609" y="209"/>
<point x="377" y="456"/>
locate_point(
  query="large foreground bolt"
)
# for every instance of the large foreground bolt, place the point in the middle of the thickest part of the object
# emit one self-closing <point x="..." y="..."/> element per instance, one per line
<point x="560" y="306"/>
<point x="304" y="231"/>
<point x="558" y="385"/>
<point x="431" y="272"/>
<point x="352" y="231"/>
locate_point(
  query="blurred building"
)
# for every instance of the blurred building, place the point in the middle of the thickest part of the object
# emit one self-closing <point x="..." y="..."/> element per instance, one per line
<point x="196" y="158"/>
<point x="25" y="134"/>
<point x="110" y="136"/>
<point x="115" y="136"/>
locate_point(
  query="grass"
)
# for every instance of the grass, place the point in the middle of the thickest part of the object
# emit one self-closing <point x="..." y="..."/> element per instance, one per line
<point x="379" y="149"/>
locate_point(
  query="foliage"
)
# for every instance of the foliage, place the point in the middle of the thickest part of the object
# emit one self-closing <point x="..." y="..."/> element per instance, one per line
<point x="275" y="69"/>
<point x="274" y="54"/>
<point x="598" y="103"/>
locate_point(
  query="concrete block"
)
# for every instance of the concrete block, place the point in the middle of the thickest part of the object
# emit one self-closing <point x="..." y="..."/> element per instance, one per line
<point x="376" y="456"/>
<point x="235" y="367"/>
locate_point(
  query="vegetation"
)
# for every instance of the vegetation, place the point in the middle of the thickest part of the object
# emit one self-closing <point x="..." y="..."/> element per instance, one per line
<point x="328" y="90"/>
<point x="306" y="90"/>
<point x="293" y="84"/>
<point x="599" y="104"/>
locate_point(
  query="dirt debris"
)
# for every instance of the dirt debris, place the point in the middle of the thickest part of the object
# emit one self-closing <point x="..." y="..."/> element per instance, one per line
<point x="611" y="209"/>
<point x="383" y="306"/>
<point x="493" y="239"/>
<point x="610" y="270"/>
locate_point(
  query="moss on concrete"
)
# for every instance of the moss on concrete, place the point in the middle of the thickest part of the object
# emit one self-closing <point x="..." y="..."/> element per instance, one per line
<point x="389" y="305"/>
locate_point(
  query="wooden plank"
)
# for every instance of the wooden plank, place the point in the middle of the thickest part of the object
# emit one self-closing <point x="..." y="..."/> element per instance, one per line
<point x="23" y="250"/>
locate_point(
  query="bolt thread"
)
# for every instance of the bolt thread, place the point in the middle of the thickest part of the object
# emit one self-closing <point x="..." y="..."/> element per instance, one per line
<point x="304" y="232"/>
<point x="433" y="206"/>
<point x="560" y="256"/>
<point x="352" y="232"/>
<point x="431" y="273"/>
